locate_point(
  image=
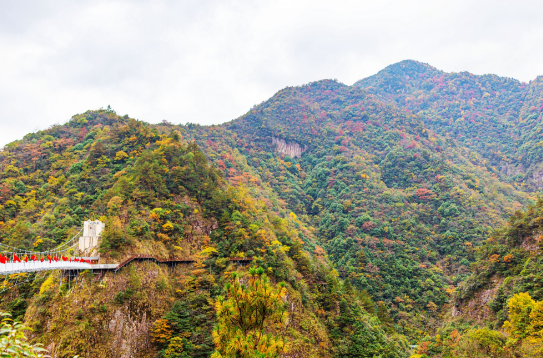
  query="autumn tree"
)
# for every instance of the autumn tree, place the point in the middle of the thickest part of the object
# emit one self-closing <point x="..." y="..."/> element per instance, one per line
<point x="482" y="343"/>
<point x="251" y="320"/>
<point x="525" y="324"/>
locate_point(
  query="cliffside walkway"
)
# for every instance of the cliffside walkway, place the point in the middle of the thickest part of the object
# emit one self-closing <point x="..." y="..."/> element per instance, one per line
<point x="169" y="262"/>
<point x="34" y="266"/>
<point x="17" y="265"/>
<point x="11" y="267"/>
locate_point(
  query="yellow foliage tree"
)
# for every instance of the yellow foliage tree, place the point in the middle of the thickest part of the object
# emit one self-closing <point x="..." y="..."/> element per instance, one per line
<point x="161" y="331"/>
<point x="175" y="348"/>
<point x="121" y="156"/>
<point x="525" y="324"/>
<point x="251" y="321"/>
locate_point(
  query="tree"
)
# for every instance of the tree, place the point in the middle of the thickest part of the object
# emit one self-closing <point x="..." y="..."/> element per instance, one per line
<point x="366" y="302"/>
<point x="251" y="321"/>
<point x="482" y="343"/>
<point x="97" y="150"/>
<point x="121" y="156"/>
<point x="176" y="349"/>
<point x="161" y="331"/>
<point x="13" y="342"/>
<point x="525" y="324"/>
<point x="384" y="316"/>
<point x="520" y="306"/>
<point x="347" y="287"/>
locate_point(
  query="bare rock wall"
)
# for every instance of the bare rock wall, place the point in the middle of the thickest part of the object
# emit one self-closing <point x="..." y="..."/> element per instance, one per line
<point x="291" y="149"/>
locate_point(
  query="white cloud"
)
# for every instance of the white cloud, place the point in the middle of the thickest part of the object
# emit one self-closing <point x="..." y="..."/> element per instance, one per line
<point x="210" y="61"/>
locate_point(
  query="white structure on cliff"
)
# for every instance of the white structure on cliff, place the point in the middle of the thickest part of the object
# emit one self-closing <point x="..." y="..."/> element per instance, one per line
<point x="91" y="235"/>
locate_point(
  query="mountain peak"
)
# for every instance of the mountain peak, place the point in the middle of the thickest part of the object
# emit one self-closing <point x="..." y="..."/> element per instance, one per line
<point x="409" y="66"/>
<point x="401" y="70"/>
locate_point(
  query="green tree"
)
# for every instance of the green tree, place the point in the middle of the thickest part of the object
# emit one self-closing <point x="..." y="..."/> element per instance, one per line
<point x="366" y="302"/>
<point x="13" y="342"/>
<point x="384" y="316"/>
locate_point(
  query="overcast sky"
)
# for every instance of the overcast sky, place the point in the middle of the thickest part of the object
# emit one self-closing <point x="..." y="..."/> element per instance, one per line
<point x="211" y="61"/>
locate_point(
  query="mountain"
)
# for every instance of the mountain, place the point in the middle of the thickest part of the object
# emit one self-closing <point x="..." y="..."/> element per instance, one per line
<point x="498" y="117"/>
<point x="159" y="196"/>
<point x="394" y="205"/>
<point x="371" y="213"/>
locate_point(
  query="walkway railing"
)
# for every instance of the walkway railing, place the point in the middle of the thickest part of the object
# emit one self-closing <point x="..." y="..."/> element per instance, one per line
<point x="78" y="264"/>
<point x="33" y="266"/>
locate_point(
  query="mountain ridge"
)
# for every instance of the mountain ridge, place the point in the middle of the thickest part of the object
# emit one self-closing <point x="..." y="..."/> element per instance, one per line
<point x="488" y="113"/>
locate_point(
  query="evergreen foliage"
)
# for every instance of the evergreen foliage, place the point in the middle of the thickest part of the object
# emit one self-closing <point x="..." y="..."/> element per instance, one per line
<point x="252" y="320"/>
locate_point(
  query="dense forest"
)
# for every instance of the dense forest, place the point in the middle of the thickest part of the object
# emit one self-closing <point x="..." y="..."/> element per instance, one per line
<point x="498" y="117"/>
<point x="397" y="217"/>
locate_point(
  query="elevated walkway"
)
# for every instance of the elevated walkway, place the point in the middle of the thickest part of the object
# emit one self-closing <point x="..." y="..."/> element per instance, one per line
<point x="34" y="266"/>
<point x="73" y="255"/>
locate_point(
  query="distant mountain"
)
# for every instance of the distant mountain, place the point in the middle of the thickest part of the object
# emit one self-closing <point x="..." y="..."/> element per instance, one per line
<point x="498" y="117"/>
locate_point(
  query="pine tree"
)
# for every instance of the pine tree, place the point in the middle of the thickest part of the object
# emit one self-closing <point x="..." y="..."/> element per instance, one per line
<point x="346" y="316"/>
<point x="384" y="317"/>
<point x="366" y="302"/>
<point x="347" y="287"/>
<point x="251" y="321"/>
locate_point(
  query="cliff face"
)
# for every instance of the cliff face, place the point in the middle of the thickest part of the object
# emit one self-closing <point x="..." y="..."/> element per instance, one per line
<point x="110" y="318"/>
<point x="478" y="308"/>
<point x="293" y="149"/>
<point x="533" y="173"/>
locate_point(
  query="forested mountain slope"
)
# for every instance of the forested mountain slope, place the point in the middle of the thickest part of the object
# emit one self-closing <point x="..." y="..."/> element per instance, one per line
<point x="498" y="117"/>
<point x="509" y="262"/>
<point x="396" y="207"/>
<point x="158" y="195"/>
<point x="498" y="309"/>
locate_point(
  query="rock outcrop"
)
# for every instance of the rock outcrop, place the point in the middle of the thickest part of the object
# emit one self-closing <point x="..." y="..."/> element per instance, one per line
<point x="533" y="174"/>
<point x="292" y="149"/>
